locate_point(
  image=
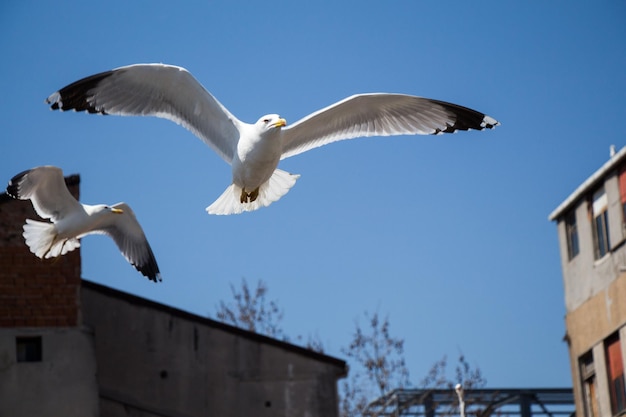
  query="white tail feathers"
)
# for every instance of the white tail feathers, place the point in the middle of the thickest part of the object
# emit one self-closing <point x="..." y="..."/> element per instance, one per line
<point x="41" y="238"/>
<point x="272" y="190"/>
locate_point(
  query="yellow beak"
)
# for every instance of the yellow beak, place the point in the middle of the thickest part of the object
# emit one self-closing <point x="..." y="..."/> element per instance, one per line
<point x="117" y="211"/>
<point x="280" y="123"/>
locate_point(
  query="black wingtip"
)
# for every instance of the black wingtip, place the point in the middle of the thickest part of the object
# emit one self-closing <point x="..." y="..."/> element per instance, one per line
<point x="13" y="188"/>
<point x="490" y="122"/>
<point x="466" y="119"/>
<point x="76" y="96"/>
<point x="150" y="269"/>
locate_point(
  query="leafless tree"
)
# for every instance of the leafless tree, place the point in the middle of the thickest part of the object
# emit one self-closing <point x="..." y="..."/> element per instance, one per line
<point x="251" y="311"/>
<point x="377" y="365"/>
<point x="464" y="374"/>
<point x="465" y="379"/>
<point x="376" y="358"/>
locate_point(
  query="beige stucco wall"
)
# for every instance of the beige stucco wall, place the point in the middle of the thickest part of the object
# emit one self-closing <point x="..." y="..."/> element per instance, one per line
<point x="588" y="326"/>
<point x="597" y="317"/>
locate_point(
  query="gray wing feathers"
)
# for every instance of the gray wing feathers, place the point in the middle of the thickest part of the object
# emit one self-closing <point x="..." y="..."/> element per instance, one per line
<point x="129" y="237"/>
<point x="379" y="114"/>
<point x="159" y="90"/>
<point x="45" y="187"/>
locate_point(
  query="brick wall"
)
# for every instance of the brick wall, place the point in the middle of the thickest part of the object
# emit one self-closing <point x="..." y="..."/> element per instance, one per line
<point x="35" y="292"/>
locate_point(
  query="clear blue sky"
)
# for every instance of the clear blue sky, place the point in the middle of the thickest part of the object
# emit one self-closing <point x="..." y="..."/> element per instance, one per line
<point x="448" y="235"/>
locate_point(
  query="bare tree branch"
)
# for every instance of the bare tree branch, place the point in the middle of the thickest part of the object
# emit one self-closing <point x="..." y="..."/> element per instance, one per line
<point x="251" y="311"/>
<point x="376" y="358"/>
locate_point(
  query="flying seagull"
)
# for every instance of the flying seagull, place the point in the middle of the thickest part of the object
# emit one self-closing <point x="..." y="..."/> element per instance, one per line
<point x="45" y="187"/>
<point x="254" y="150"/>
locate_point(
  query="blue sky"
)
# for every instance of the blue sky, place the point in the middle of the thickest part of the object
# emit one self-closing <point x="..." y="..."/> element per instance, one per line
<point x="448" y="235"/>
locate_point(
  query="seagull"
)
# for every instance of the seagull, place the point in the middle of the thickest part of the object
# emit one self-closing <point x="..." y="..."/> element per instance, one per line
<point x="254" y="150"/>
<point x="45" y="187"/>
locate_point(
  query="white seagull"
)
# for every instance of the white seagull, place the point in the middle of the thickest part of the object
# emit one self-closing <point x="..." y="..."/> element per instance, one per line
<point x="254" y="150"/>
<point x="71" y="220"/>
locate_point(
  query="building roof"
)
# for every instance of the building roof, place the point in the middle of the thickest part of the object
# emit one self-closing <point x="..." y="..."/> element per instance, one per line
<point x="588" y="183"/>
<point x="144" y="302"/>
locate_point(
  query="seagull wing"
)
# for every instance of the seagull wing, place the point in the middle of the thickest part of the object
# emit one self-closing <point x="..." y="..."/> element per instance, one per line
<point x="129" y="237"/>
<point x="159" y="90"/>
<point x="45" y="187"/>
<point x="379" y="114"/>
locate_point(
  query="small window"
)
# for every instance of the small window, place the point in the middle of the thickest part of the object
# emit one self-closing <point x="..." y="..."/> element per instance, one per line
<point x="28" y="349"/>
<point x="602" y="234"/>
<point x="600" y="224"/>
<point x="571" y="229"/>
<point x="588" y="376"/>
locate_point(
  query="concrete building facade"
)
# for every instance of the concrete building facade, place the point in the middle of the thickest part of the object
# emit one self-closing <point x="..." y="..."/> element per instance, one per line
<point x="70" y="347"/>
<point x="591" y="226"/>
<point x="159" y="361"/>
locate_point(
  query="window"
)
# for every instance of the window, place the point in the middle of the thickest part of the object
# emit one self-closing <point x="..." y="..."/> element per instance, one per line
<point x="615" y="373"/>
<point x="588" y="376"/>
<point x="572" y="235"/>
<point x="28" y="349"/>
<point x="622" y="190"/>
<point x="602" y="235"/>
<point x="600" y="224"/>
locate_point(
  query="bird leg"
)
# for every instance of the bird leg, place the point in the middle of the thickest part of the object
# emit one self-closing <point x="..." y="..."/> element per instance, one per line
<point x="248" y="197"/>
<point x="254" y="194"/>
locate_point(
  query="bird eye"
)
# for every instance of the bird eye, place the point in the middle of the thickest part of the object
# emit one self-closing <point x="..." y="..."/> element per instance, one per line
<point x="266" y="121"/>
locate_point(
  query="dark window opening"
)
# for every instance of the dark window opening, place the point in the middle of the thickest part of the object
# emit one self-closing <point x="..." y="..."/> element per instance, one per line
<point x="588" y="374"/>
<point x="602" y="235"/>
<point x="572" y="235"/>
<point x="600" y="224"/>
<point x="615" y="374"/>
<point x="28" y="349"/>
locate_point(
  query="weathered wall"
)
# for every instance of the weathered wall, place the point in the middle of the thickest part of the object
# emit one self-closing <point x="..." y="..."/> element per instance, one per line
<point x="587" y="328"/>
<point x="62" y="384"/>
<point x="598" y="317"/>
<point x="41" y="298"/>
<point x="136" y="358"/>
<point x="156" y="360"/>
<point x="35" y="292"/>
<point x="595" y="289"/>
<point x="584" y="276"/>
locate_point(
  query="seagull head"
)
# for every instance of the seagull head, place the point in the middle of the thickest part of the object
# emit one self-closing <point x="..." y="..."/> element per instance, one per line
<point x="271" y="121"/>
<point x="102" y="209"/>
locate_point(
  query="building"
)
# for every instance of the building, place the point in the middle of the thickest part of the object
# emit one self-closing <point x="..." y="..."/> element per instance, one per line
<point x="69" y="347"/>
<point x="591" y="226"/>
